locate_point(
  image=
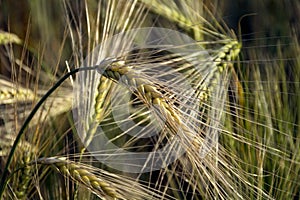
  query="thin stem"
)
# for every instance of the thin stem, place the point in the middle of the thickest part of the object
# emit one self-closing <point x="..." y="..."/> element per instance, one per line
<point x="4" y="176"/>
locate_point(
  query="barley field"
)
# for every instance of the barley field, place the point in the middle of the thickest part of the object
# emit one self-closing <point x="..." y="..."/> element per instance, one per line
<point x="149" y="99"/>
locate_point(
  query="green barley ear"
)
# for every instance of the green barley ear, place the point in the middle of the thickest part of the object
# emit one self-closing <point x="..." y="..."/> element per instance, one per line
<point x="26" y="173"/>
<point x="78" y="173"/>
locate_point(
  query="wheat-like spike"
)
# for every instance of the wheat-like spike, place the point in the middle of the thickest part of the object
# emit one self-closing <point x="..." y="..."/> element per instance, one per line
<point x="77" y="173"/>
<point x="101" y="102"/>
<point x="173" y="13"/>
<point x="10" y="93"/>
<point x="104" y="184"/>
<point x="151" y="96"/>
<point x="118" y="71"/>
<point x="149" y="93"/>
<point x="25" y="152"/>
<point x="25" y="173"/>
<point x="102" y="93"/>
<point x="220" y="62"/>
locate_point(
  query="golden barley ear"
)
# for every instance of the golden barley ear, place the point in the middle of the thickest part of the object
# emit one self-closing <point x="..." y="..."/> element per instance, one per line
<point x="104" y="184"/>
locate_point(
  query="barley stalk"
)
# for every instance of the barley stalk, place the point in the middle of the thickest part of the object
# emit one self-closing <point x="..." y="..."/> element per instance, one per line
<point x="26" y="173"/>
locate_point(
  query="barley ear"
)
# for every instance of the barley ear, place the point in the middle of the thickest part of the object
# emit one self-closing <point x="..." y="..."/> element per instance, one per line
<point x="79" y="174"/>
